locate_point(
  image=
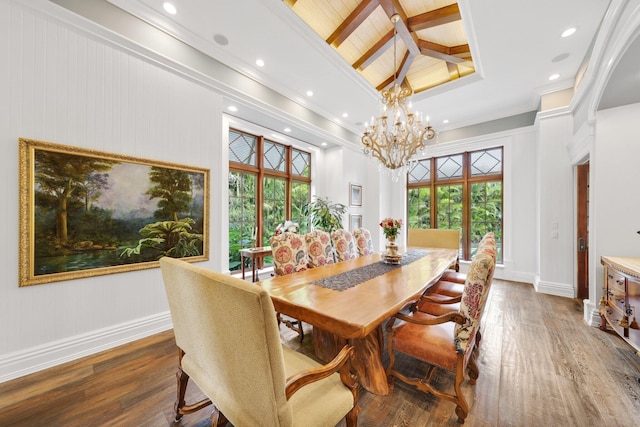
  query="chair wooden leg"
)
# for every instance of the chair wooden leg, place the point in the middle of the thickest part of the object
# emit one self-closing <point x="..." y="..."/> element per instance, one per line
<point x="217" y="418"/>
<point x="462" y="408"/>
<point x="180" y="407"/>
<point x="295" y="325"/>
<point x="473" y="369"/>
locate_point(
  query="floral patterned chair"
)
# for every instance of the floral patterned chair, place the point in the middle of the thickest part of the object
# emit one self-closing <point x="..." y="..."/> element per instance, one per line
<point x="364" y="244"/>
<point x="289" y="256"/>
<point x="446" y="294"/>
<point x="319" y="248"/>
<point x="344" y="245"/>
<point x="445" y="341"/>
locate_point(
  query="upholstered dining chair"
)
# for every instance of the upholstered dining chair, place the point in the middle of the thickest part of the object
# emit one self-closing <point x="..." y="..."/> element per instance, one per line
<point x="289" y="256"/>
<point x="229" y="345"/>
<point x="445" y="295"/>
<point x="446" y="341"/>
<point x="343" y="244"/>
<point x="319" y="248"/>
<point x="364" y="244"/>
<point x="456" y="276"/>
<point x="435" y="238"/>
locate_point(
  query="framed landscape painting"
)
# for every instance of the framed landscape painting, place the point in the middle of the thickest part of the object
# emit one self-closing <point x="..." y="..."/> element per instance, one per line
<point x="87" y="213"/>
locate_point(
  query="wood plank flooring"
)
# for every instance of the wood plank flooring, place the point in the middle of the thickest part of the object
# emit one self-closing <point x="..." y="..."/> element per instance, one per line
<point x="540" y="365"/>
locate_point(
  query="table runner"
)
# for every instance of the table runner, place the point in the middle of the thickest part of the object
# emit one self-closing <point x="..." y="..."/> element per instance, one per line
<point x="352" y="278"/>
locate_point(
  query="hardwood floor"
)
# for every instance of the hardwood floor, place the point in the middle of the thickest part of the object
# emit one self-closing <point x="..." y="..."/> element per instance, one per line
<point x="540" y="365"/>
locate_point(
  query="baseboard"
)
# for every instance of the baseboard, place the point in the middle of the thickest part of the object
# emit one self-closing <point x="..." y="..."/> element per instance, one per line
<point x="24" y="362"/>
<point x="558" y="289"/>
<point x="592" y="314"/>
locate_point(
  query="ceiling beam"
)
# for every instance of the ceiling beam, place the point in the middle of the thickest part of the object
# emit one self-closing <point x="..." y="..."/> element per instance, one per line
<point x="434" y="18"/>
<point x="401" y="75"/>
<point x="375" y="52"/>
<point x="353" y="21"/>
<point x="444" y="53"/>
<point x="391" y="7"/>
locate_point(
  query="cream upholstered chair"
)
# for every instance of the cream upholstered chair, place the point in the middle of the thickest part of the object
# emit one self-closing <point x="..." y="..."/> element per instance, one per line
<point x="319" y="248"/>
<point x="445" y="341"/>
<point x="289" y="256"/>
<point x="344" y="245"/>
<point x="364" y="244"/>
<point x="435" y="238"/>
<point x="229" y="344"/>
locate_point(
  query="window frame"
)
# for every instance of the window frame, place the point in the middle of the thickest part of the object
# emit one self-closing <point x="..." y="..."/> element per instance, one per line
<point x="261" y="172"/>
<point x="466" y="180"/>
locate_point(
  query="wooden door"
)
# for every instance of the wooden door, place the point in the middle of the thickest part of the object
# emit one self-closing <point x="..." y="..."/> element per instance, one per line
<point x="583" y="231"/>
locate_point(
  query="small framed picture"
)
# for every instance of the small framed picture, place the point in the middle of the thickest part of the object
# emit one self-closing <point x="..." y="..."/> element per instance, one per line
<point x="355" y="195"/>
<point x="355" y="222"/>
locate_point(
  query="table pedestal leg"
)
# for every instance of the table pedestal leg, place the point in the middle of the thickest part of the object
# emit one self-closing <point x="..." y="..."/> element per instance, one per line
<point x="367" y="357"/>
<point x="367" y="360"/>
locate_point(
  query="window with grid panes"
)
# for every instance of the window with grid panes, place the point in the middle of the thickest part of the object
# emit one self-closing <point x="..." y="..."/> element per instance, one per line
<point x="281" y="185"/>
<point x="461" y="191"/>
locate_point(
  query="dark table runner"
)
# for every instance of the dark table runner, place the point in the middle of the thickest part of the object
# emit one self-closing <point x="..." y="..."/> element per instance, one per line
<point x="352" y="278"/>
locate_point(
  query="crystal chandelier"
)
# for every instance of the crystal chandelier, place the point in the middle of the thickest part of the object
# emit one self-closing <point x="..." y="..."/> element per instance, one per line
<point x="397" y="135"/>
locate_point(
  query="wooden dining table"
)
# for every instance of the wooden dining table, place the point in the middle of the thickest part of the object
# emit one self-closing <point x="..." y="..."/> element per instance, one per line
<point x="356" y="313"/>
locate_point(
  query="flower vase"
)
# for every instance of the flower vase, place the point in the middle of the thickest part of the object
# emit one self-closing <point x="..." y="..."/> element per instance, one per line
<point x="392" y="248"/>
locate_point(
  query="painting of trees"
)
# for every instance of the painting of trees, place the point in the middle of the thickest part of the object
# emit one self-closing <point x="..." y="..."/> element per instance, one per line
<point x="86" y="213"/>
<point x="61" y="178"/>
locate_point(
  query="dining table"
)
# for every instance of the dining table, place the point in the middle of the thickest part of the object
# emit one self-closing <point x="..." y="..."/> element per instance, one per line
<point x="352" y="299"/>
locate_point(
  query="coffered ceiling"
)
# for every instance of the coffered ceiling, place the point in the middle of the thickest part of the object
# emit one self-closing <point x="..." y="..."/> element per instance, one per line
<point x="428" y="39"/>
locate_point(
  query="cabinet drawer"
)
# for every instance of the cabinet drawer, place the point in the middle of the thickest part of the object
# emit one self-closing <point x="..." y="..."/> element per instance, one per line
<point x="616" y="290"/>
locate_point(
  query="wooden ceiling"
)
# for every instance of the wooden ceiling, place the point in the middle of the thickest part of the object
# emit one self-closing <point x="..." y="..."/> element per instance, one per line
<point x="431" y="45"/>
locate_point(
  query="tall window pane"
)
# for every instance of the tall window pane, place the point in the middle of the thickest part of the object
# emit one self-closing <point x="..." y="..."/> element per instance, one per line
<point x="242" y="214"/>
<point x="300" y="196"/>
<point x="486" y="213"/>
<point x="419" y="207"/>
<point x="449" y="206"/>
<point x="274" y="205"/>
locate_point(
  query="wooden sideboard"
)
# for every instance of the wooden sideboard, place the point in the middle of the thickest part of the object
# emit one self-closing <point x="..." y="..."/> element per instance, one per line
<point x="621" y="299"/>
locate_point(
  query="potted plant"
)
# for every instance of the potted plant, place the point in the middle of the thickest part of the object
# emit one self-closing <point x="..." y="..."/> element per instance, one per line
<point x="323" y="214"/>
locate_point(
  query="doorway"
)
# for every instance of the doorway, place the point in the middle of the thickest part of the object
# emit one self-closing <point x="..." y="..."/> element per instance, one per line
<point x="583" y="230"/>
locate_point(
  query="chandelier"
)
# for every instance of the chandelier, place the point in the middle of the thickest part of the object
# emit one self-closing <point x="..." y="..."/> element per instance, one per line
<point x="397" y="135"/>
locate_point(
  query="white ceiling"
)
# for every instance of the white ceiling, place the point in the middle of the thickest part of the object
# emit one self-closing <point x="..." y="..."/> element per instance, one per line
<point x="516" y="46"/>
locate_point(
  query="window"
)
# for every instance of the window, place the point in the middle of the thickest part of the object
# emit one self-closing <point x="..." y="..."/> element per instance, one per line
<point x="460" y="191"/>
<point x="268" y="183"/>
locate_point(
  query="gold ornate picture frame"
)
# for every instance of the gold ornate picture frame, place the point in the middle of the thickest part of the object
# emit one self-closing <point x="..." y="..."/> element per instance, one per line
<point x="87" y="213"/>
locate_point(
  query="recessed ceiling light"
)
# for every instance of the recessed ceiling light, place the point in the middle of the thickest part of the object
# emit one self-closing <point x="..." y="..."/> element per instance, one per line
<point x="324" y="144"/>
<point x="445" y="121"/>
<point x="259" y="62"/>
<point x="232" y="108"/>
<point x="287" y="130"/>
<point x="309" y="93"/>
<point x="345" y="115"/>
<point x="169" y="8"/>
<point x="568" y="32"/>
<point x="554" y="76"/>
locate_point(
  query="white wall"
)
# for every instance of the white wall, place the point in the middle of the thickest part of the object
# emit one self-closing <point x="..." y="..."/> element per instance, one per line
<point x="555" y="206"/>
<point x="64" y="86"/>
<point x="616" y="176"/>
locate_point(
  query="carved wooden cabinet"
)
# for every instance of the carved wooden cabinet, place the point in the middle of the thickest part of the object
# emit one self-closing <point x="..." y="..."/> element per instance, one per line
<point x="621" y="298"/>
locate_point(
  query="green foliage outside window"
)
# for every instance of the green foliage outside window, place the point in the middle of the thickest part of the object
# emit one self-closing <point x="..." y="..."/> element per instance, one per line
<point x="242" y="214"/>
<point x="480" y="172"/>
